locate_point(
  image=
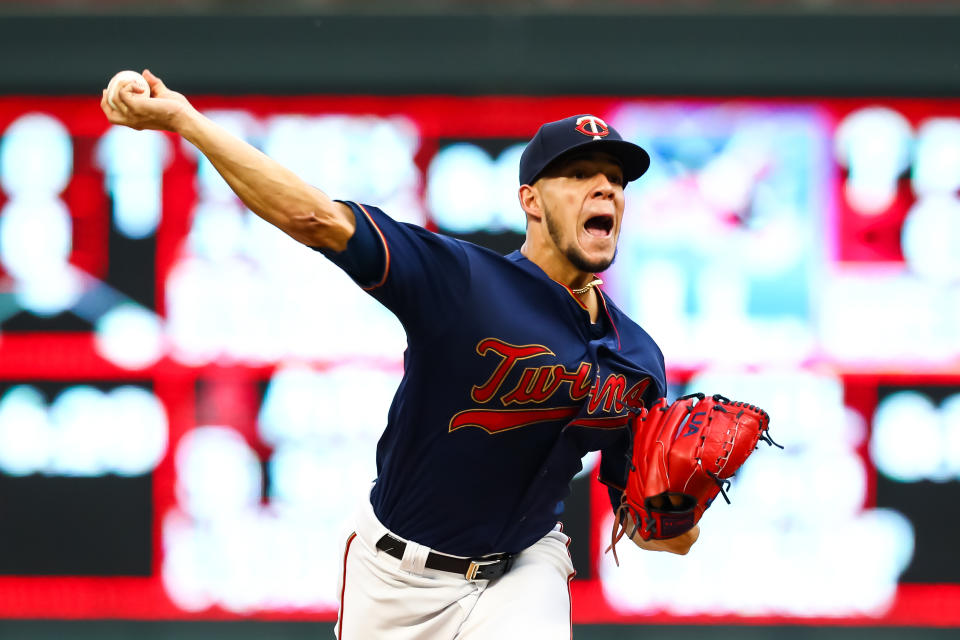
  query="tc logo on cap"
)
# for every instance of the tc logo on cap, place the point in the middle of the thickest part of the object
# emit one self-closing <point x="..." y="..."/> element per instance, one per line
<point x="592" y="126"/>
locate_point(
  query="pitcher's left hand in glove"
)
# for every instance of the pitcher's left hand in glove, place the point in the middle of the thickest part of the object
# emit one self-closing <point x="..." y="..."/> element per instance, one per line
<point x="683" y="456"/>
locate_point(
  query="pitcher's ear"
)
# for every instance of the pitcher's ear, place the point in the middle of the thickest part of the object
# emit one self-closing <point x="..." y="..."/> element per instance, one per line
<point x="530" y="200"/>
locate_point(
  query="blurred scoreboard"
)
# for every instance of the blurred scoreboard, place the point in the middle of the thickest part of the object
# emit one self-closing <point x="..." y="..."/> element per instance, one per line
<point x="190" y="401"/>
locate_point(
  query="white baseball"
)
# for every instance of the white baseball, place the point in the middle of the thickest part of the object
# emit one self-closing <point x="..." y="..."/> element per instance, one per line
<point x="122" y="78"/>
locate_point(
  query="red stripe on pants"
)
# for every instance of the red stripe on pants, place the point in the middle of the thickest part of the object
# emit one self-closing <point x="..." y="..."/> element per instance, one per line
<point x="343" y="587"/>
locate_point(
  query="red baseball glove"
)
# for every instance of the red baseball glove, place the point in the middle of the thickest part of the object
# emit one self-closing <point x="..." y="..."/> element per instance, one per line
<point x="683" y="456"/>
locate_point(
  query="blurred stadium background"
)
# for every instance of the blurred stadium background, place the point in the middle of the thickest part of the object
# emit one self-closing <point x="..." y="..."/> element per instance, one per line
<point x="186" y="416"/>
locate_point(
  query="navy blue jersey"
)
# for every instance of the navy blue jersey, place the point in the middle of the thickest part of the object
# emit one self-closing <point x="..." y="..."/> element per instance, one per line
<point x="506" y="386"/>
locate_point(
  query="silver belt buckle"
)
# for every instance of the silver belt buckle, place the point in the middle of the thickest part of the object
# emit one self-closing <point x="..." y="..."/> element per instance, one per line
<point x="475" y="565"/>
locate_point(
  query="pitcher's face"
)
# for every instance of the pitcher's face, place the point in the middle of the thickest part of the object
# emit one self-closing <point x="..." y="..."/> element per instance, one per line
<point x="583" y="208"/>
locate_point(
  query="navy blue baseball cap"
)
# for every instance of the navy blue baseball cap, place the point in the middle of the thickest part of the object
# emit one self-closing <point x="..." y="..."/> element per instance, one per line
<point x="580" y="134"/>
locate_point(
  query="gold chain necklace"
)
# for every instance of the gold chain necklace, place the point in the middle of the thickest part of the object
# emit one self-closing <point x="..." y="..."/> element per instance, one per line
<point x="587" y="287"/>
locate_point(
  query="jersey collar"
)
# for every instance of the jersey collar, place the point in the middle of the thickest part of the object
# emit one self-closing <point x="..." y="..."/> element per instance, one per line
<point x="530" y="266"/>
<point x="607" y="307"/>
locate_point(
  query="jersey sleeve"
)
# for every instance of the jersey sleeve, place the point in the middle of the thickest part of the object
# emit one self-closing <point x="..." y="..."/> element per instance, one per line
<point x="421" y="276"/>
<point x="613" y="468"/>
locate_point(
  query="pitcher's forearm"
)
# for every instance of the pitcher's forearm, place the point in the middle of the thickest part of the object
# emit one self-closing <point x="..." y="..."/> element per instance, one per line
<point x="266" y="187"/>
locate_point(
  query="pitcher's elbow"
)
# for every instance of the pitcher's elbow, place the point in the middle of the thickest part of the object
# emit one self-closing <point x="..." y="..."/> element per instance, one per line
<point x="315" y="228"/>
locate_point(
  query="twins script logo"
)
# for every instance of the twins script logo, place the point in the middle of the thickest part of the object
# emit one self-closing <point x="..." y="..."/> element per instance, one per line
<point x="611" y="398"/>
<point x="592" y="126"/>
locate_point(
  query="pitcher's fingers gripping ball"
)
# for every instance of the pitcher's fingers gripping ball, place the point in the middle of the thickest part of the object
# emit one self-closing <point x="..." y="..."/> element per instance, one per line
<point x="150" y="105"/>
<point x="683" y="456"/>
<point x="122" y="79"/>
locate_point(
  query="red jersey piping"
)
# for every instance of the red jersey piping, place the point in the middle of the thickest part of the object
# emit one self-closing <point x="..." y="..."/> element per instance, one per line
<point x="607" y="311"/>
<point x="386" y="249"/>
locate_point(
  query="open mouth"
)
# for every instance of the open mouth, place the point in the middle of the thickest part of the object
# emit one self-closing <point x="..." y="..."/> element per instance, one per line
<point x="600" y="225"/>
